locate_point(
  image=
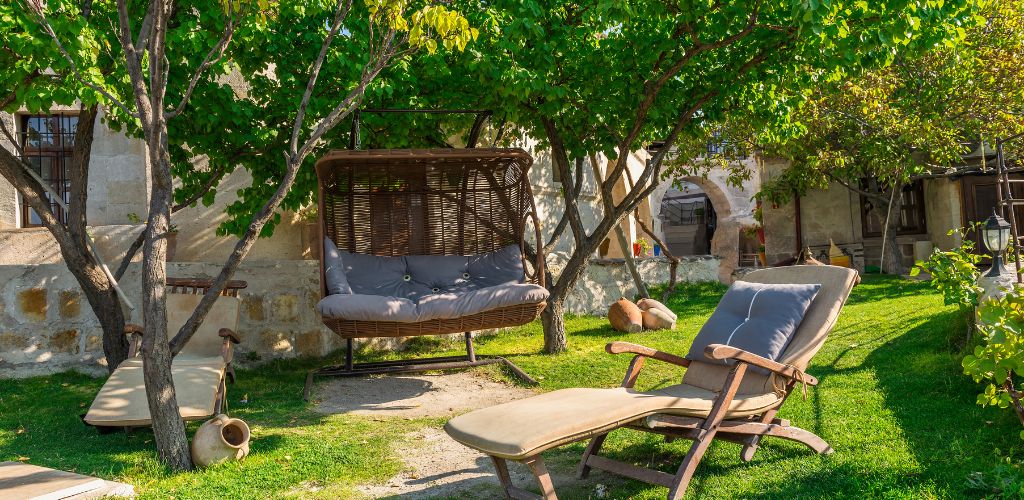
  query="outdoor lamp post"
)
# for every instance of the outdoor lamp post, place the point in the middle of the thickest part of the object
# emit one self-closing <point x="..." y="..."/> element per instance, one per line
<point x="996" y="235"/>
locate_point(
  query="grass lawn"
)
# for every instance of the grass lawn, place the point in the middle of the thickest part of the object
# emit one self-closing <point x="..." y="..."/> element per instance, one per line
<point x="893" y="402"/>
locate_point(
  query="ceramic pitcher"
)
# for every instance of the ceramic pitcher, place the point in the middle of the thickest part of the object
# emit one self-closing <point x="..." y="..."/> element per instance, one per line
<point x="220" y="439"/>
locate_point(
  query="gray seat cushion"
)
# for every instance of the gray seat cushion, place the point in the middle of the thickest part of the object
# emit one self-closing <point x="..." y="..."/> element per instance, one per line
<point x="358" y="307"/>
<point x="756" y="317"/>
<point x="423" y="287"/>
<point x="416" y="276"/>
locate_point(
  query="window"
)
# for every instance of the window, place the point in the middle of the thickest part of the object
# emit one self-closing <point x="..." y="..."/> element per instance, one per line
<point x="908" y="210"/>
<point x="720" y="146"/>
<point x="48" y="142"/>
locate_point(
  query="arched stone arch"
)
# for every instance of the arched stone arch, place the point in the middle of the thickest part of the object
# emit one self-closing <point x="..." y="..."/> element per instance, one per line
<point x="733" y="208"/>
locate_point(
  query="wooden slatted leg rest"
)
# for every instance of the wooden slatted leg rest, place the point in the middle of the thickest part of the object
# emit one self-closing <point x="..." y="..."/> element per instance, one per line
<point x="740" y="431"/>
<point x="701" y="431"/>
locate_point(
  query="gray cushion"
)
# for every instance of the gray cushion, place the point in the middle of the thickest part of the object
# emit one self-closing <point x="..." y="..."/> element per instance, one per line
<point x="435" y="306"/>
<point x="440" y="272"/>
<point x="374" y="275"/>
<point x="497" y="268"/>
<point x="414" y="277"/>
<point x="756" y="317"/>
<point x="334" y="269"/>
<point x="423" y="287"/>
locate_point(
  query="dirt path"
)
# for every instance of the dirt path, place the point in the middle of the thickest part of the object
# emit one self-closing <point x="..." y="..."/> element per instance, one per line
<point x="415" y="396"/>
<point x="435" y="465"/>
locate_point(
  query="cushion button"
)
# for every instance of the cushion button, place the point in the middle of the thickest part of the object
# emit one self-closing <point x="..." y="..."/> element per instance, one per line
<point x="406" y="278"/>
<point x="435" y="289"/>
<point x="465" y="275"/>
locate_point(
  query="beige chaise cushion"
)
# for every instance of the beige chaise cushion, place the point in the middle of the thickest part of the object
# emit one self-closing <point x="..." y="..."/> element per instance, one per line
<point x="122" y="400"/>
<point x="197" y="370"/>
<point x="529" y="426"/>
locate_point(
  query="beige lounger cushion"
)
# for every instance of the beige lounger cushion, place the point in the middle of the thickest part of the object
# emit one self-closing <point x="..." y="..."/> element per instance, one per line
<point x="122" y="400"/>
<point x="529" y="426"/>
<point x="205" y="342"/>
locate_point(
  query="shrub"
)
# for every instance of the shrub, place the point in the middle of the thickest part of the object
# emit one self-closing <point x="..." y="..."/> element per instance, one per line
<point x="999" y="360"/>
<point x="954" y="273"/>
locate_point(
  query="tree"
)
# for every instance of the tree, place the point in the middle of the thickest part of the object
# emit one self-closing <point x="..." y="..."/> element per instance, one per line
<point x="171" y="33"/>
<point x="37" y="78"/>
<point x="611" y="77"/>
<point x="911" y="119"/>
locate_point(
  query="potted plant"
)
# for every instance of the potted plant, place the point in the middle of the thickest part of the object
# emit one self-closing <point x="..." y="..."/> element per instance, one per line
<point x="641" y="247"/>
<point x="761" y="256"/>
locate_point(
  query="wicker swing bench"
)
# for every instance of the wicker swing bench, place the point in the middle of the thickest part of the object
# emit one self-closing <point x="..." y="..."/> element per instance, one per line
<point x="426" y="242"/>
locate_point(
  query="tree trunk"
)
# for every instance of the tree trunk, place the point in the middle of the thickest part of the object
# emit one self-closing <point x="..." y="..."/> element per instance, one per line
<point x="168" y="428"/>
<point x="553" y="319"/>
<point x="83" y="264"/>
<point x="105" y="305"/>
<point x="892" y="257"/>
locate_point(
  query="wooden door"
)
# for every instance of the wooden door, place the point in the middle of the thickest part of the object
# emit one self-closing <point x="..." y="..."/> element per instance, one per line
<point x="979" y="195"/>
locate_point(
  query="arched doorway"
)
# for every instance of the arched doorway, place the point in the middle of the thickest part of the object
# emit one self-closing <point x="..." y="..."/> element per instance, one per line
<point x="688" y="220"/>
<point x="715" y="230"/>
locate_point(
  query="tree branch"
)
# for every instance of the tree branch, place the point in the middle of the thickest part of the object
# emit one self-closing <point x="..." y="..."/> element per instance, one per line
<point x="45" y="24"/>
<point x="340" y="12"/>
<point x="293" y="160"/>
<point x="209" y="60"/>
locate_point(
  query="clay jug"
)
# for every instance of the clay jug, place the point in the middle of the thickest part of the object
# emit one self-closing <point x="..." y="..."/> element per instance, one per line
<point x="220" y="439"/>
<point x="624" y="316"/>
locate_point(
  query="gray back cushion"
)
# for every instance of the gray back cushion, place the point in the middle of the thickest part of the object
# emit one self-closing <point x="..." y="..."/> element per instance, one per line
<point x="334" y="269"/>
<point x="415" y="277"/>
<point x="501" y="267"/>
<point x="756" y="317"/>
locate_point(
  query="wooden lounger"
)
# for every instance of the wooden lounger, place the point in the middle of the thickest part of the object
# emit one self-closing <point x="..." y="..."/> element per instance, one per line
<point x="200" y="371"/>
<point x="736" y="403"/>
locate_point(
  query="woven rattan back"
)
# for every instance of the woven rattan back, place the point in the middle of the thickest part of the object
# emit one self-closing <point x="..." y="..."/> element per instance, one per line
<point x="424" y="202"/>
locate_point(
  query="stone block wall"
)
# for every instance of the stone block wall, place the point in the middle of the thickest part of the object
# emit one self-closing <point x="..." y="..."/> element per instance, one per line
<point x="46" y="324"/>
<point x="608" y="279"/>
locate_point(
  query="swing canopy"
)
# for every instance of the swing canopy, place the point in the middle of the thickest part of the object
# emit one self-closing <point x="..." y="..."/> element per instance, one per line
<point x="427" y="242"/>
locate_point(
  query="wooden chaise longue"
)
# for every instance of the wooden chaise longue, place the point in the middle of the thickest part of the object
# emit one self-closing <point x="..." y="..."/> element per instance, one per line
<point x="727" y="392"/>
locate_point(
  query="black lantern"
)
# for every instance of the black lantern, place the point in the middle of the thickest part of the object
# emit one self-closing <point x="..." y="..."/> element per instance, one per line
<point x="996" y="235"/>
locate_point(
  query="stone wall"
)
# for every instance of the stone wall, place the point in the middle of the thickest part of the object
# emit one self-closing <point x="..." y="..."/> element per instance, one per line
<point x="943" y="212"/>
<point x="835" y="214"/>
<point x="608" y="279"/>
<point x="46" y="324"/>
<point x="36" y="245"/>
<point x="734" y="208"/>
<point x="825" y="215"/>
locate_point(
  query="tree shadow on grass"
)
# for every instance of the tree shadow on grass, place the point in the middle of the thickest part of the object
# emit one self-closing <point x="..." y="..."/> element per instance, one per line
<point x="873" y="288"/>
<point x="935" y="404"/>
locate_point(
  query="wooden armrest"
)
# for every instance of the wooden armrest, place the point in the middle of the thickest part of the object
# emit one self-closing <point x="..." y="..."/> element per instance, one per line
<point x="628" y="347"/>
<point x="135" y="342"/>
<point x="722" y="351"/>
<point x="229" y="334"/>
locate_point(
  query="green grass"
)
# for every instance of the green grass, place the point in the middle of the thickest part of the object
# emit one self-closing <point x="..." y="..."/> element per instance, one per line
<point x="893" y="402"/>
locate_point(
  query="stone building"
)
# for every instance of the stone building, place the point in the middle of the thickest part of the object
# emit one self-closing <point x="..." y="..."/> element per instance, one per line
<point x="46" y="324"/>
<point x="926" y="211"/>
